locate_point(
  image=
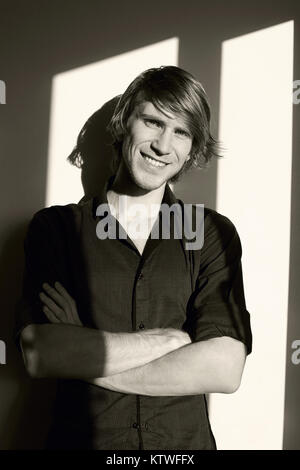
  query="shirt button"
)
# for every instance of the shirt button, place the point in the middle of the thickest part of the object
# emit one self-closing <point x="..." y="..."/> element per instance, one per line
<point x="141" y="326"/>
<point x="135" y="425"/>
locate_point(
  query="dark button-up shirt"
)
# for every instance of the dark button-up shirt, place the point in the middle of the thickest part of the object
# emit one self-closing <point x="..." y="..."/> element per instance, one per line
<point x="119" y="290"/>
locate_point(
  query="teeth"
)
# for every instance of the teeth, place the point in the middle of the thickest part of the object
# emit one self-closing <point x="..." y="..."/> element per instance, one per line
<point x="154" y="162"/>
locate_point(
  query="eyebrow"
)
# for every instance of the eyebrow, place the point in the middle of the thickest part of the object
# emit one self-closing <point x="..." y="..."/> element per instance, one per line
<point x="161" y="120"/>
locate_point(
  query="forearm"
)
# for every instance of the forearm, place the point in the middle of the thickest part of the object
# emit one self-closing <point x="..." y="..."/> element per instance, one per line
<point x="67" y="351"/>
<point x="125" y="351"/>
<point x="212" y="366"/>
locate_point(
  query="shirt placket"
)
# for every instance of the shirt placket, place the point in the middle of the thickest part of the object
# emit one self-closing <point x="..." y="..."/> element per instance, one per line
<point x="141" y="322"/>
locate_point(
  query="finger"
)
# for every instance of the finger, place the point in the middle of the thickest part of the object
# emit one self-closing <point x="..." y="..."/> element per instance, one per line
<point x="61" y="301"/>
<point x="55" y="309"/>
<point x="51" y="317"/>
<point x="56" y="296"/>
<point x="68" y="299"/>
<point x="59" y="287"/>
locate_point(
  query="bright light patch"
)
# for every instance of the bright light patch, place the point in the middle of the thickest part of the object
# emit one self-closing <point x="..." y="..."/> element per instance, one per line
<point x="254" y="191"/>
<point x="77" y="94"/>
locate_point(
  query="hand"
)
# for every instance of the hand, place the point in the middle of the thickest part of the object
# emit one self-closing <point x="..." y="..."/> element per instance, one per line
<point x="59" y="306"/>
<point x="180" y="337"/>
<point x="177" y="337"/>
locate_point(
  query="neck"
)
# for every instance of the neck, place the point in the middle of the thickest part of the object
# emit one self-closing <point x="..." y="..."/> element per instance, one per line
<point x="123" y="185"/>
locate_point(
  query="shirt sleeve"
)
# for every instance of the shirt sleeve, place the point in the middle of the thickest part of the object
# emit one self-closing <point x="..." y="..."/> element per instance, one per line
<point x="41" y="265"/>
<point x="217" y="305"/>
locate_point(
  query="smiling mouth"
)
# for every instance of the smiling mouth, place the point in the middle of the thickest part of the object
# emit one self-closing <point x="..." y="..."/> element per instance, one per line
<point x="153" y="161"/>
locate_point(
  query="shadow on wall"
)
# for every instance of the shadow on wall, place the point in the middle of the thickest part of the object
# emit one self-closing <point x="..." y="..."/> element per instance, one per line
<point x="93" y="152"/>
<point x="34" y="399"/>
<point x="28" y="407"/>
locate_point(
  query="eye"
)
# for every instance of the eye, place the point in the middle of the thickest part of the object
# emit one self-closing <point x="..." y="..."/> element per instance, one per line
<point x="152" y="123"/>
<point x="183" y="133"/>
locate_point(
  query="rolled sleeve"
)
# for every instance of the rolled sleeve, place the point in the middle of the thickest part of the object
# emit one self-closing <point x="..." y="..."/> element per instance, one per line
<point x="217" y="306"/>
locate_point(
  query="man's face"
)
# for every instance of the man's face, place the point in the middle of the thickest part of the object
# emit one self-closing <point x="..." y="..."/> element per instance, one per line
<point x="156" y="146"/>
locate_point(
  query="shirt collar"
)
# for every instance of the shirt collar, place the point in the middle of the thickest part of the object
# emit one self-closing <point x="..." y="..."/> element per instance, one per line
<point x="169" y="198"/>
<point x="101" y="198"/>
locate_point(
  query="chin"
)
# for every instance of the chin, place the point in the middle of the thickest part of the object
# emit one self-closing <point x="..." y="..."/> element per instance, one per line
<point x="147" y="183"/>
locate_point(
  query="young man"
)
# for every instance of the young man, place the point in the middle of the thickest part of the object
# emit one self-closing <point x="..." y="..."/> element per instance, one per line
<point x="137" y="328"/>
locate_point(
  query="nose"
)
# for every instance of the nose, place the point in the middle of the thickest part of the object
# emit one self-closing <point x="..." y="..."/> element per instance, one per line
<point x="162" y="143"/>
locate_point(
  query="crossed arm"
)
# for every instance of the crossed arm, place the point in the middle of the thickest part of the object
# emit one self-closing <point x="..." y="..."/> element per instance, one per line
<point x="157" y="362"/>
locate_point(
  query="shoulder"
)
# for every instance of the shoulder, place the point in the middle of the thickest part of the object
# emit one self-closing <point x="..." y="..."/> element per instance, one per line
<point x="61" y="217"/>
<point x="216" y="233"/>
<point x="214" y="222"/>
<point x="221" y="238"/>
